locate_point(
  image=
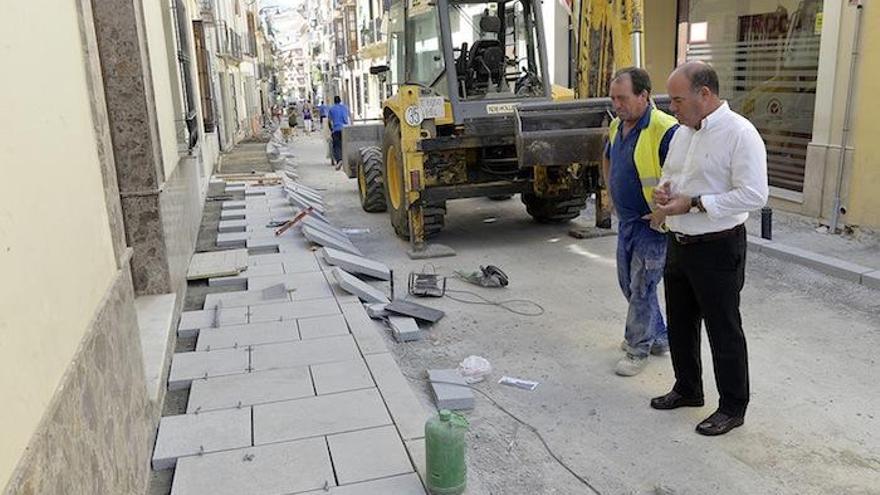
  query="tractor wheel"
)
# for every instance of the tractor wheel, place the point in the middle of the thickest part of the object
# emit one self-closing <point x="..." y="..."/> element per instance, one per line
<point x="370" y="184"/>
<point x="393" y="174"/>
<point x="554" y="210"/>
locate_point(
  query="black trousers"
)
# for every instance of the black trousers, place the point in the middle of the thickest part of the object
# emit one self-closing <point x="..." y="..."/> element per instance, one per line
<point x="336" y="137"/>
<point x="703" y="281"/>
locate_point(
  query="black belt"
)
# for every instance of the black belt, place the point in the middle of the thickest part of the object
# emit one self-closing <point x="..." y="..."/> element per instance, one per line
<point x="711" y="236"/>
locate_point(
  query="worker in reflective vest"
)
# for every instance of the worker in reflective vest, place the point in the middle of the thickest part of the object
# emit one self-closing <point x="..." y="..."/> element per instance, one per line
<point x="638" y="141"/>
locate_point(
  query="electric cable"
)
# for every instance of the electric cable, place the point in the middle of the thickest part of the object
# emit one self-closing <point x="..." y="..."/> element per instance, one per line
<point x="524" y="423"/>
<point x="505" y="304"/>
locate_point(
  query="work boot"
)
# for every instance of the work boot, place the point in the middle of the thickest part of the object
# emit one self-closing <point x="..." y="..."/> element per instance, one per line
<point x="631" y="365"/>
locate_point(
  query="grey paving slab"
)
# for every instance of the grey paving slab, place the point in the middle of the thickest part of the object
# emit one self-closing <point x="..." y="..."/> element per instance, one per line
<point x="416" y="450"/>
<point x="259" y="387"/>
<point x="232" y="214"/>
<point x="322" y="326"/>
<point x="446" y="396"/>
<point x="246" y="298"/>
<point x="363" y="290"/>
<point x="292" y="262"/>
<point x="344" y="297"/>
<point x="356" y="264"/>
<point x="300" y="286"/>
<point x="825" y="264"/>
<point x="192" y="434"/>
<point x="192" y="321"/>
<point x="871" y="279"/>
<point x="189" y="366"/>
<point x="404" y="328"/>
<point x="341" y="376"/>
<point x="327" y="240"/>
<point x="408" y="413"/>
<point x="406" y="484"/>
<point x="226" y="226"/>
<point x="367" y="333"/>
<point x="293" y="310"/>
<point x="321" y="415"/>
<point x="377" y="311"/>
<point x="323" y="226"/>
<point x="237" y="281"/>
<point x="278" y="469"/>
<point x="232" y="239"/>
<point x="301" y="201"/>
<point x="234" y="204"/>
<point x="415" y="310"/>
<point x="368" y="455"/>
<point x="216" y="263"/>
<point x="289" y="244"/>
<point x="303" y="353"/>
<point x="244" y="335"/>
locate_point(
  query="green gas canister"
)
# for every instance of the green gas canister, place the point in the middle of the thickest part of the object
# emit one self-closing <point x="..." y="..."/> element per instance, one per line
<point x="445" y="447"/>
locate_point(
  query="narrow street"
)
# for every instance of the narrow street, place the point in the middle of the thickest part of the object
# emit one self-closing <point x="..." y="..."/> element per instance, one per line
<point x="812" y="427"/>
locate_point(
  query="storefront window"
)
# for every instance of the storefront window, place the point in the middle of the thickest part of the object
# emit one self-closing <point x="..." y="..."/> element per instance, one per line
<point x="767" y="57"/>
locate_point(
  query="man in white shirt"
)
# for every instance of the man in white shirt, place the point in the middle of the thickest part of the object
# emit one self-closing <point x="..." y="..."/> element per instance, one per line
<point x="715" y="173"/>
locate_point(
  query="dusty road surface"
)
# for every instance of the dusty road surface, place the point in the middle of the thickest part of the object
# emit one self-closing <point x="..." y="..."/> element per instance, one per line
<point x="814" y="421"/>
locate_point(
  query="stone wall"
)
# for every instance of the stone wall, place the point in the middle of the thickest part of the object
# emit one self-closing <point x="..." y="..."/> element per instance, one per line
<point x="95" y="435"/>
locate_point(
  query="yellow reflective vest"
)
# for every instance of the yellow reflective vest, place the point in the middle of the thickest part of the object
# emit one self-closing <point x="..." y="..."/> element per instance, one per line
<point x="647" y="152"/>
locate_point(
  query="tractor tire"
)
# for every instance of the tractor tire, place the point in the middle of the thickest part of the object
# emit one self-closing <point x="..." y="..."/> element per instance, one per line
<point x="371" y="187"/>
<point x="392" y="173"/>
<point x="554" y="210"/>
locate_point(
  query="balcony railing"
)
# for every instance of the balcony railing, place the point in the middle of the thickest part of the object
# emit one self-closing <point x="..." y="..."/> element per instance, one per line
<point x="372" y="32"/>
<point x="229" y="42"/>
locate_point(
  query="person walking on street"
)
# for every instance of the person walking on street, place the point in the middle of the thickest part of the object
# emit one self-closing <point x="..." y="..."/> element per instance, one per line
<point x="307" y="118"/>
<point x="715" y="174"/>
<point x="322" y="112"/>
<point x="338" y="117"/>
<point x="638" y="142"/>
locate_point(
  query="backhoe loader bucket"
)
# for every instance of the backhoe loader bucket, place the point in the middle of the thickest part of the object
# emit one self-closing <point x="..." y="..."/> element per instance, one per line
<point x="562" y="133"/>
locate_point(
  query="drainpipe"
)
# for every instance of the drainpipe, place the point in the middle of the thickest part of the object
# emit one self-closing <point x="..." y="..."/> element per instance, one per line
<point x="838" y="208"/>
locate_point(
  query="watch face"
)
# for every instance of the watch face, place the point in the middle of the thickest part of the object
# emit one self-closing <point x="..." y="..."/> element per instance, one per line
<point x="413" y="116"/>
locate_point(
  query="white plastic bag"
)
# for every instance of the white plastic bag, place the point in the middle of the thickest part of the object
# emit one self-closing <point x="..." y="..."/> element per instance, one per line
<point x="474" y="369"/>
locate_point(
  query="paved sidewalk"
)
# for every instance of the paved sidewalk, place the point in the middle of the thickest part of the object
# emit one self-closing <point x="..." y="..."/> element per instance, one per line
<point x="291" y="386"/>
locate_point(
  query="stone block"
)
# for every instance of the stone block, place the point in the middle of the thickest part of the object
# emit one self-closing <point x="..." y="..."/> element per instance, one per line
<point x="363" y="290"/>
<point x="211" y="339"/>
<point x="235" y="204"/>
<point x="341" y="376"/>
<point x="322" y="326"/>
<point x="155" y="317"/>
<point x="404" y="328"/>
<point x="406" y="484"/>
<point x="232" y="214"/>
<point x="283" y="468"/>
<point x="192" y="321"/>
<point x="408" y="412"/>
<point x="446" y="396"/>
<point x="293" y="310"/>
<point x="226" y="226"/>
<point x="192" y="434"/>
<point x="189" y="366"/>
<point x="416" y="450"/>
<point x="326" y="240"/>
<point x="356" y="264"/>
<point x="368" y="455"/>
<point x="321" y="415"/>
<point x="825" y="264"/>
<point x="376" y="311"/>
<point x="247" y="297"/>
<point x="237" y="281"/>
<point x="259" y="387"/>
<point x="217" y="264"/>
<point x="232" y="239"/>
<point x="871" y="279"/>
<point x="367" y="333"/>
<point x="303" y="353"/>
<point x="415" y="310"/>
<point x="317" y="224"/>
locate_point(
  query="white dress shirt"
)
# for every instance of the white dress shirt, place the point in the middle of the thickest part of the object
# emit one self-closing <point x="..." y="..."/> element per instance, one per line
<point x="725" y="163"/>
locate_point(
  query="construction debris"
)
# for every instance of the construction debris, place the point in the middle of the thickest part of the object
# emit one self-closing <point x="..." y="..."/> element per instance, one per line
<point x="450" y="391"/>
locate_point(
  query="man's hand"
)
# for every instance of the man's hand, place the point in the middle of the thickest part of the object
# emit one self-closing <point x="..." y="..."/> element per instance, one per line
<point x="656" y="218"/>
<point x="662" y="193"/>
<point x="677" y="204"/>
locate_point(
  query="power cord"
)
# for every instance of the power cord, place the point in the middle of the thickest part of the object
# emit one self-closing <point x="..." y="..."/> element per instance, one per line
<point x="506" y="304"/>
<point x="528" y="426"/>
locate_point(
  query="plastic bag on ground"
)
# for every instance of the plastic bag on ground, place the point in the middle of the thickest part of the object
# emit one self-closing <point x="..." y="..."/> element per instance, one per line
<point x="474" y="369"/>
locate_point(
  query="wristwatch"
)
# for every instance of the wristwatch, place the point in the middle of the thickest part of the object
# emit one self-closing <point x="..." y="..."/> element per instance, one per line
<point x="697" y="205"/>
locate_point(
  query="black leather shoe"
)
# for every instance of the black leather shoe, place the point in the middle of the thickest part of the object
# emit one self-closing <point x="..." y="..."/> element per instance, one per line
<point x="674" y="400"/>
<point x="718" y="424"/>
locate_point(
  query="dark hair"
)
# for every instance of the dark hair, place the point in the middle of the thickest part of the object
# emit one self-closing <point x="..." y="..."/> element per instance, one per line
<point x="337" y="99"/>
<point x="702" y="74"/>
<point x="641" y="80"/>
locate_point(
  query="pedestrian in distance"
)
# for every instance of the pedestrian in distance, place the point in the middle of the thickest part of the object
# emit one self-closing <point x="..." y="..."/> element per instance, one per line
<point x="338" y="116"/>
<point x="322" y="112"/>
<point x="638" y="142"/>
<point x="307" y="118"/>
<point x="715" y="174"/>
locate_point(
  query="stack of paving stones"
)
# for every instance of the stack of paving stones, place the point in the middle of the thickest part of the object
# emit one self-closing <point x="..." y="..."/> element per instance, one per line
<point x="291" y="387"/>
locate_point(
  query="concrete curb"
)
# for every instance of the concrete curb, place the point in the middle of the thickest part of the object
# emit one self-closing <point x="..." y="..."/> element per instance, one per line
<point x="834" y="267"/>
